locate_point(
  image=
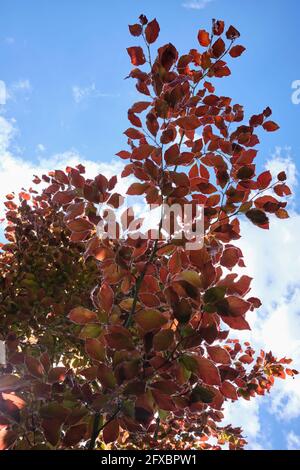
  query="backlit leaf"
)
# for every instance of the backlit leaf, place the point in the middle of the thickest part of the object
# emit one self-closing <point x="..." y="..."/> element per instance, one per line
<point x="7" y="438"/>
<point x="74" y="434"/>
<point x="228" y="390"/>
<point x="207" y="371"/>
<point x="95" y="349"/>
<point x="219" y="354"/>
<point x="202" y="394"/>
<point x="81" y="316"/>
<point x="9" y="383"/>
<point x="203" y="38"/>
<point x="57" y="374"/>
<point x="237" y="50"/>
<point x="150" y="320"/>
<point x="136" y="189"/>
<point x="106" y="297"/>
<point x="111" y="431"/>
<point x="163" y="340"/>
<point x="136" y="55"/>
<point x="152" y="31"/>
<point x="232" y="33"/>
<point x="218" y="48"/>
<point x="188" y="123"/>
<point x="135" y="29"/>
<point x="34" y="366"/>
<point x="270" y="126"/>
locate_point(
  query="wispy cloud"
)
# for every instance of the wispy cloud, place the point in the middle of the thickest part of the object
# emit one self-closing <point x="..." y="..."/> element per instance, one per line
<point x="90" y="91"/>
<point x="23" y="85"/>
<point x="293" y="441"/>
<point x="282" y="159"/>
<point x="10" y="91"/>
<point x="196" y="4"/>
<point x="40" y="148"/>
<point x="7" y="131"/>
<point x="3" y="92"/>
<point x="245" y="414"/>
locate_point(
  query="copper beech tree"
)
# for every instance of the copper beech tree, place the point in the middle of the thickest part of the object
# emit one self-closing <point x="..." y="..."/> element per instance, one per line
<point x="125" y="343"/>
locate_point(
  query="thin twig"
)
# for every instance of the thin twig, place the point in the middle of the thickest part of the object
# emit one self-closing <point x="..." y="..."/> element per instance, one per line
<point x="156" y="428"/>
<point x="96" y="430"/>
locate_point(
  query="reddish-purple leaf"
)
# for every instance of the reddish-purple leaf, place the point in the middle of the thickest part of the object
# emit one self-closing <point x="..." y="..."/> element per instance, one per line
<point x="203" y="38"/>
<point x="237" y="50"/>
<point x="74" y="435"/>
<point x="135" y="29"/>
<point x="81" y="316"/>
<point x="136" y="55"/>
<point x="150" y="320"/>
<point x="111" y="431"/>
<point x="270" y="126"/>
<point x="152" y="31"/>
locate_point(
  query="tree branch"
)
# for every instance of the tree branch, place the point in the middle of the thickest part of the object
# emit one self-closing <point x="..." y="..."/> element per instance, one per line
<point x="96" y="430"/>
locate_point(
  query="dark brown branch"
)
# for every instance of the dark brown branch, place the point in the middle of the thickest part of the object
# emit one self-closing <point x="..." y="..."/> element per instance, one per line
<point x="96" y="430"/>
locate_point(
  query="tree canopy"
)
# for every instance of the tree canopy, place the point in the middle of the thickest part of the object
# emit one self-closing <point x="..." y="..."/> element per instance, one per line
<point x="128" y="343"/>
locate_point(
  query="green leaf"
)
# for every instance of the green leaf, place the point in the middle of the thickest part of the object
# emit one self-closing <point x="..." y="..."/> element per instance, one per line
<point x="91" y="330"/>
<point x="214" y="294"/>
<point x="202" y="394"/>
<point x="150" y="320"/>
<point x="182" y="311"/>
<point x="163" y="340"/>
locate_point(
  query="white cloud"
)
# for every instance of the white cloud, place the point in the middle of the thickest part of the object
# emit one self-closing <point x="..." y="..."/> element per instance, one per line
<point x="246" y="414"/>
<point x="7" y="131"/>
<point x="22" y="85"/>
<point x="196" y="4"/>
<point x="21" y="88"/>
<point x="17" y="172"/>
<point x="40" y="148"/>
<point x="90" y="91"/>
<point x="80" y="93"/>
<point x="3" y="93"/>
<point x="10" y="91"/>
<point x="280" y="160"/>
<point x="272" y="258"/>
<point x="293" y="441"/>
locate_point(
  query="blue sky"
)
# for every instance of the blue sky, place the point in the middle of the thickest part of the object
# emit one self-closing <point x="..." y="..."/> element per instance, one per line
<point x="63" y="63"/>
